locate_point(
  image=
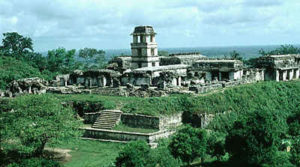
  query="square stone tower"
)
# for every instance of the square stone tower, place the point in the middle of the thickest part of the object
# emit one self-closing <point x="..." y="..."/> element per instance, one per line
<point x="144" y="48"/>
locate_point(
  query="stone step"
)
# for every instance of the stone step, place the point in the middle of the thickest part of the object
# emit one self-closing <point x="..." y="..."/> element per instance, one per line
<point x="107" y="119"/>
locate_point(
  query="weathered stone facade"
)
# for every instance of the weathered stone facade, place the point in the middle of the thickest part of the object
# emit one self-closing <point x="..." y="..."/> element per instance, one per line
<point x="281" y="67"/>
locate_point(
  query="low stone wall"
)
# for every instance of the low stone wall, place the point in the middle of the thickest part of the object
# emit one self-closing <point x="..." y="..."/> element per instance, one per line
<point x="125" y="136"/>
<point x="214" y="86"/>
<point x="171" y="121"/>
<point x="142" y="121"/>
<point x="152" y="122"/>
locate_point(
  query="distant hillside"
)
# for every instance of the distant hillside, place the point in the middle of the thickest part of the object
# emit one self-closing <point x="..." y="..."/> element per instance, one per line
<point x="245" y="51"/>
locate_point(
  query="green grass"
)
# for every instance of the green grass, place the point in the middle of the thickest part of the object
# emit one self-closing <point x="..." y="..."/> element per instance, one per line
<point x="274" y="95"/>
<point x="124" y="128"/>
<point x="89" y="153"/>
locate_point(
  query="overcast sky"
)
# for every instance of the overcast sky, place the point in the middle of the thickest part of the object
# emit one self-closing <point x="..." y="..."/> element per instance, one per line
<point x="107" y="24"/>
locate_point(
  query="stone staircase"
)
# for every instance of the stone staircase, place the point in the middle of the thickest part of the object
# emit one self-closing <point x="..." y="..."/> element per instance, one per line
<point x="108" y="119"/>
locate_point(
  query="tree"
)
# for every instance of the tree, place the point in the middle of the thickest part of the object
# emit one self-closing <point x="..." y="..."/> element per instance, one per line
<point x="92" y="56"/>
<point x="162" y="157"/>
<point x="189" y="143"/>
<point x="61" y="60"/>
<point x="235" y="55"/>
<point x="134" y="154"/>
<point x="15" y="45"/>
<point x="163" y="53"/>
<point x="282" y="50"/>
<point x="255" y="138"/>
<point x="295" y="151"/>
<point x="35" y="120"/>
<point x="13" y="69"/>
<point x="294" y="124"/>
<point x="216" y="145"/>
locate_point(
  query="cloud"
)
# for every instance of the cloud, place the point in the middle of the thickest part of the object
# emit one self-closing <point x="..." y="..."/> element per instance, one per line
<point x="107" y="24"/>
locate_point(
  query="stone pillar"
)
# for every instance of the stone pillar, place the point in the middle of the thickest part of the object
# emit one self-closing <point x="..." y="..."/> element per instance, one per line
<point x="297" y="73"/>
<point x="220" y="76"/>
<point x="284" y="75"/>
<point x="179" y="81"/>
<point x="291" y="74"/>
<point x="277" y="75"/>
<point x="29" y="89"/>
<point x="90" y="82"/>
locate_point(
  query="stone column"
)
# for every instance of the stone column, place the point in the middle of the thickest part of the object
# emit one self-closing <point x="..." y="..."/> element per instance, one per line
<point x="220" y="76"/>
<point x="90" y="82"/>
<point x="29" y="89"/>
<point x="291" y="74"/>
<point x="284" y="75"/>
<point x="297" y="73"/>
<point x="179" y="81"/>
<point x="277" y="75"/>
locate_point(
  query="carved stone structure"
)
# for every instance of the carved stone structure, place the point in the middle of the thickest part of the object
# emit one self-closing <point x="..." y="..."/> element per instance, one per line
<point x="144" y="48"/>
<point x="27" y="86"/>
<point x="219" y="70"/>
<point x="145" y="74"/>
<point x="281" y="67"/>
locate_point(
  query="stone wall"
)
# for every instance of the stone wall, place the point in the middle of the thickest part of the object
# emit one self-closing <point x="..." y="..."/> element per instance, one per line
<point x="152" y="122"/>
<point x="125" y="136"/>
<point x="171" y="121"/>
<point x="143" y="121"/>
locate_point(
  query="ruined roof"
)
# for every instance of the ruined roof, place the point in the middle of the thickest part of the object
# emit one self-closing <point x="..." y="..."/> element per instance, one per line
<point x="161" y="68"/>
<point x="218" y="61"/>
<point x="143" y="30"/>
<point x="189" y="56"/>
<point x="101" y="71"/>
<point x="279" y="56"/>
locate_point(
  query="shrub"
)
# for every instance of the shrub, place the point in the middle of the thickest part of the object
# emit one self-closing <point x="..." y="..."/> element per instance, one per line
<point x="189" y="143"/>
<point x="13" y="69"/>
<point x="255" y="137"/>
<point x="36" y="162"/>
<point x="134" y="154"/>
<point x="295" y="151"/>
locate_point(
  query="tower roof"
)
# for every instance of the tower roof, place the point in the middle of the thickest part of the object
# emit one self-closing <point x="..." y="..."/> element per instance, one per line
<point x="144" y="30"/>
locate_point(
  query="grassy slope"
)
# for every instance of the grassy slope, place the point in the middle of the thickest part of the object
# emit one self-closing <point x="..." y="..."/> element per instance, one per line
<point x="11" y="69"/>
<point x="90" y="153"/>
<point x="273" y="95"/>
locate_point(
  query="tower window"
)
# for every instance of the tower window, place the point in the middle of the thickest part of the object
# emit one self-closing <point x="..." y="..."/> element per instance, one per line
<point x="153" y="64"/>
<point x="139" y="52"/>
<point x="141" y="38"/>
<point x="152" y="52"/>
<point x="151" y="38"/>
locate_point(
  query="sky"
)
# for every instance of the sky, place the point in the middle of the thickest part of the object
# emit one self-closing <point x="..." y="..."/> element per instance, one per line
<point x="107" y="24"/>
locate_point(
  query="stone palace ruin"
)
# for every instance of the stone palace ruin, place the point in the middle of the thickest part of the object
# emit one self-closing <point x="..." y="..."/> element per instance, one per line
<point x="145" y="73"/>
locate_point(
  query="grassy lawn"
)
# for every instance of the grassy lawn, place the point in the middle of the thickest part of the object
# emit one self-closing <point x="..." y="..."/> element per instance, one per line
<point x="122" y="127"/>
<point x="89" y="153"/>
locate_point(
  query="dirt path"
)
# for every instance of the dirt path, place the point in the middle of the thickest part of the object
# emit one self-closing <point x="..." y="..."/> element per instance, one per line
<point x="59" y="154"/>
